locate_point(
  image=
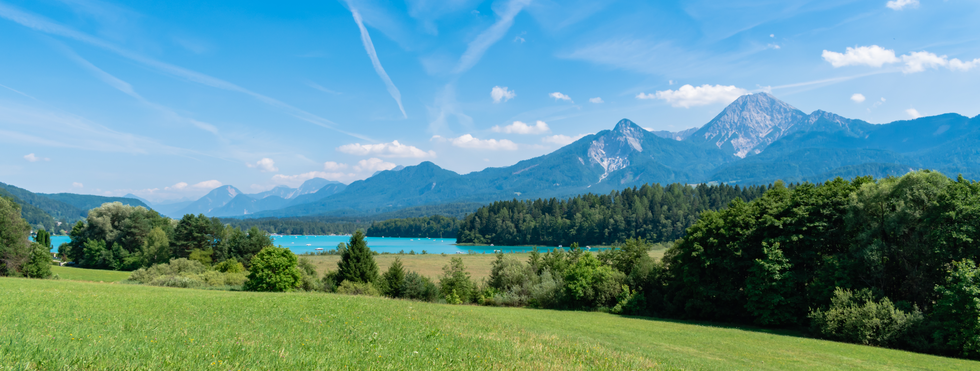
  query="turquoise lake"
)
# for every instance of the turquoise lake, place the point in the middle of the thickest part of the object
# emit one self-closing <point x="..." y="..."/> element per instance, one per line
<point x="303" y="244"/>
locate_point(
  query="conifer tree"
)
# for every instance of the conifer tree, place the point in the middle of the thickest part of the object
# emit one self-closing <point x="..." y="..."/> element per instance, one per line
<point x="393" y="280"/>
<point x="356" y="263"/>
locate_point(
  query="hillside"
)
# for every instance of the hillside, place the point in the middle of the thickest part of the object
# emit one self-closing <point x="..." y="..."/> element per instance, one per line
<point x="104" y="326"/>
<point x="89" y="202"/>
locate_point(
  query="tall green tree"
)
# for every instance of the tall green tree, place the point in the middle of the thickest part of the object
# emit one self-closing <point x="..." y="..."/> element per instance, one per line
<point x="43" y="238"/>
<point x="357" y="263"/>
<point x="14" y="238"/>
<point x="197" y="233"/>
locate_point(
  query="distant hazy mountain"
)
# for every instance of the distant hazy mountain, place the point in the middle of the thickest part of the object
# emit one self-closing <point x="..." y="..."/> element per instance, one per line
<point x="610" y="159"/>
<point x="245" y="205"/>
<point x="308" y="187"/>
<point x="130" y="195"/>
<point x="211" y="201"/>
<point x="675" y="135"/>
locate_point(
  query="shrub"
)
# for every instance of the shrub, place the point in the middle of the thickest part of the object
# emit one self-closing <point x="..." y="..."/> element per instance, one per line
<point x="176" y="281"/>
<point x="273" y="269"/>
<point x="455" y="282"/>
<point x="230" y="266"/>
<point x="856" y="317"/>
<point x="589" y="284"/>
<point x="329" y="281"/>
<point x="358" y="288"/>
<point x="309" y="278"/>
<point x="957" y="313"/>
<point x="546" y="292"/>
<point x="393" y="280"/>
<point x="39" y="264"/>
<point x="418" y="287"/>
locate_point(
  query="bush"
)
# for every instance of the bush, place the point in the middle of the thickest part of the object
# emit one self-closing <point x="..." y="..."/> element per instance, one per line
<point x="329" y="282"/>
<point x="358" y="288"/>
<point x="856" y="317"/>
<point x="309" y="278"/>
<point x="418" y="287"/>
<point x="273" y="269"/>
<point x="455" y="282"/>
<point x="39" y="264"/>
<point x="546" y="292"/>
<point x="186" y="273"/>
<point x="589" y="284"/>
<point x="230" y="266"/>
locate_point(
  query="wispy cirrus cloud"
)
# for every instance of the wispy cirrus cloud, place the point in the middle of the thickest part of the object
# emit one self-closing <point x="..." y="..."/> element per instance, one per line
<point x="373" y="54"/>
<point x="44" y="25"/>
<point x="483" y="41"/>
<point x="902" y="4"/>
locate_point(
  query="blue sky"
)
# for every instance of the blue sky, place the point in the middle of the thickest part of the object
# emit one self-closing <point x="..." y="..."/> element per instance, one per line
<point x="168" y="99"/>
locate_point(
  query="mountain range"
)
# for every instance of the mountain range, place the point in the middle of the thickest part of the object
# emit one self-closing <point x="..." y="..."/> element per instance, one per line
<point x="756" y="139"/>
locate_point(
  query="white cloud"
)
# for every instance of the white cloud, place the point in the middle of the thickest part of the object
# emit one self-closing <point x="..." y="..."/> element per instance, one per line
<point x="561" y="139"/>
<point x="501" y="94"/>
<point x="77" y="185"/>
<point x="874" y="56"/>
<point x="468" y="141"/>
<point x="596" y="100"/>
<point x="561" y="96"/>
<point x="688" y="96"/>
<point x="858" y="98"/>
<point x="372" y="165"/>
<point x="773" y="46"/>
<point x="919" y="61"/>
<point x="369" y="47"/>
<point x="393" y="149"/>
<point x="32" y="158"/>
<point x="176" y="187"/>
<point x="207" y="184"/>
<point x="265" y="164"/>
<point x="958" y="65"/>
<point x="521" y="128"/>
<point x="333" y="166"/>
<point x="913" y="113"/>
<point x="901" y="4"/>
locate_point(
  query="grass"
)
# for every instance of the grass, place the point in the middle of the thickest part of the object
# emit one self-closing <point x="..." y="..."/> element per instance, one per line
<point x="430" y="265"/>
<point x="78" y="325"/>
<point x="84" y="274"/>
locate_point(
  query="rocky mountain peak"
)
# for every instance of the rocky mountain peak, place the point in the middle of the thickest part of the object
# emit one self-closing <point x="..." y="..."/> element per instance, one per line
<point x="611" y="149"/>
<point x="749" y="124"/>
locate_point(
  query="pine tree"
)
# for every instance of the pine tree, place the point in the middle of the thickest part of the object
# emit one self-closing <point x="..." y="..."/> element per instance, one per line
<point x="356" y="263"/>
<point x="393" y="280"/>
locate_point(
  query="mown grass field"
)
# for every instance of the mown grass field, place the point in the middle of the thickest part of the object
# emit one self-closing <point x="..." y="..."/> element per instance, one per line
<point x="430" y="265"/>
<point x="51" y="324"/>
<point x="93" y="275"/>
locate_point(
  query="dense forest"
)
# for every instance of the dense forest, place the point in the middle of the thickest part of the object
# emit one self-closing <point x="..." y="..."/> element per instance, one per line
<point x="435" y="226"/>
<point x="652" y="212"/>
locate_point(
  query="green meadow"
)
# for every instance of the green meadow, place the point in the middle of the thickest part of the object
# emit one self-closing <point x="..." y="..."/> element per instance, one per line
<point x="49" y="324"/>
<point x="93" y="275"/>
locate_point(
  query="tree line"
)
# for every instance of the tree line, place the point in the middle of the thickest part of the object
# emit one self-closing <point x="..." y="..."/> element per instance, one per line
<point x="887" y="262"/>
<point x="122" y="237"/>
<point x="652" y="212"/>
<point x="301" y="225"/>
<point x="436" y="226"/>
